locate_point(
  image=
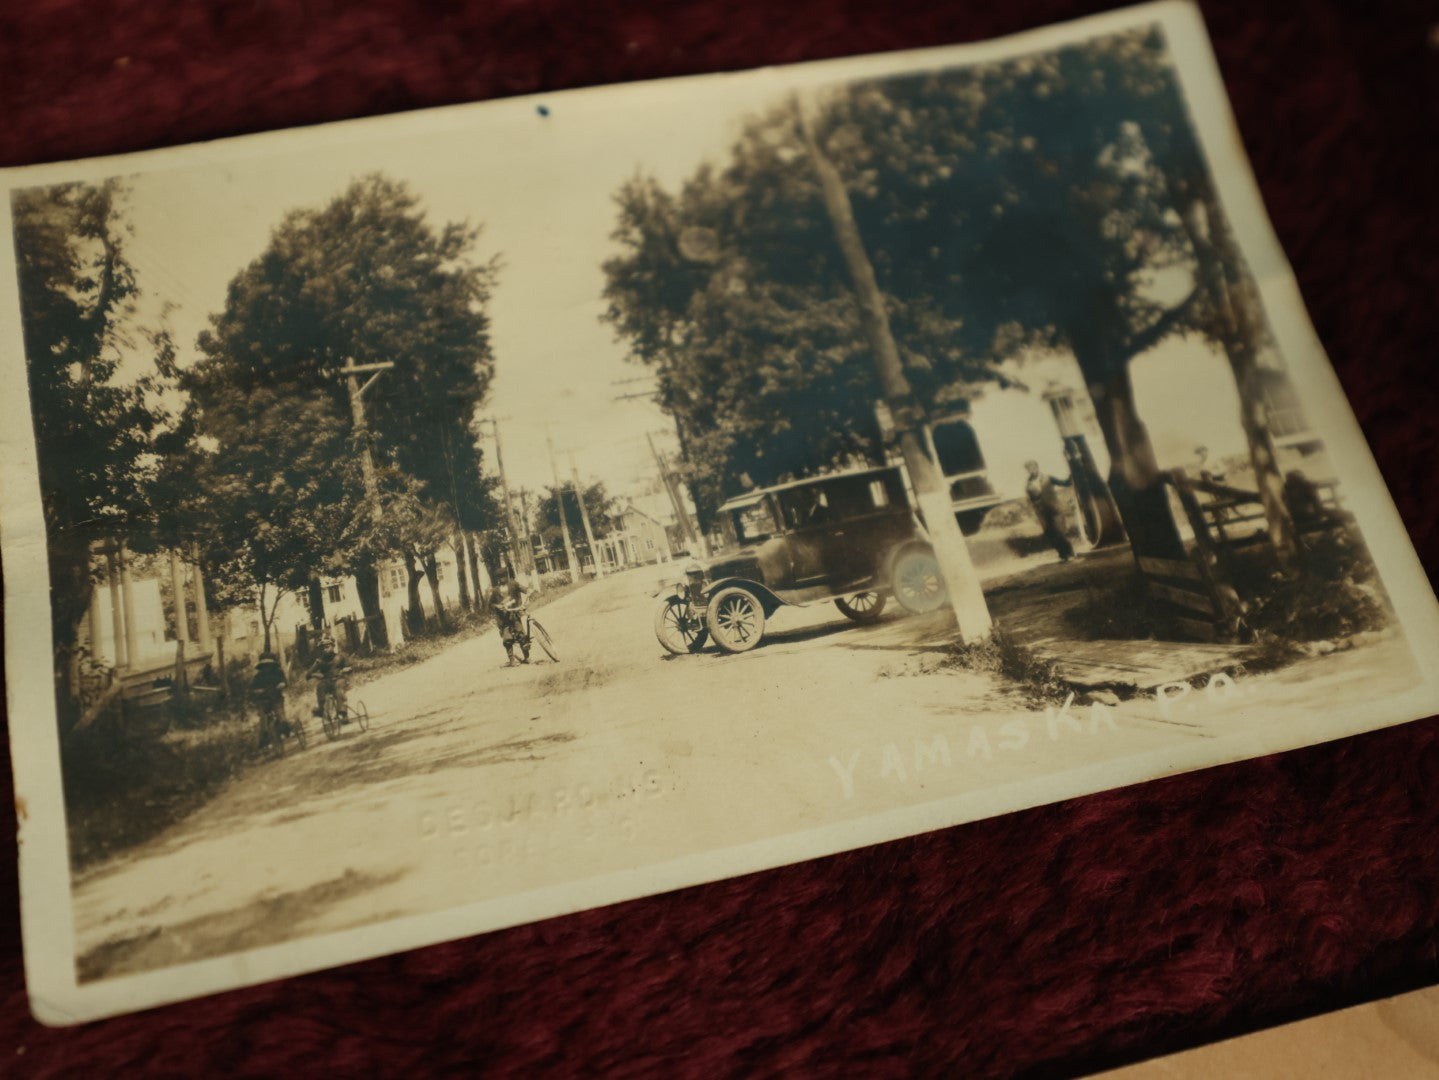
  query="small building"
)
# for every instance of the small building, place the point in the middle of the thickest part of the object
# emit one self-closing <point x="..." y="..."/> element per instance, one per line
<point x="639" y="539"/>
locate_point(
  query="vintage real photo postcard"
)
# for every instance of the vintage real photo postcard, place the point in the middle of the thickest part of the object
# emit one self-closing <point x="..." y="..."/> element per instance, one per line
<point x="418" y="526"/>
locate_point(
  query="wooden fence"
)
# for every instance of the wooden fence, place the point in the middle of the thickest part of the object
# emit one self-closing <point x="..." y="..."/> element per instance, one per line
<point x="1195" y="595"/>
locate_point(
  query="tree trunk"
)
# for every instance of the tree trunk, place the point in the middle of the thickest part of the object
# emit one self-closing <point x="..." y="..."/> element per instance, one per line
<point x="432" y="575"/>
<point x="497" y="559"/>
<point x="1263" y="457"/>
<point x="367" y="585"/>
<point x="1135" y="482"/>
<point x="457" y="545"/>
<point x="472" y="556"/>
<point x="414" y="573"/>
<point x="316" y="595"/>
<point x="266" y="619"/>
<point x="1236" y="308"/>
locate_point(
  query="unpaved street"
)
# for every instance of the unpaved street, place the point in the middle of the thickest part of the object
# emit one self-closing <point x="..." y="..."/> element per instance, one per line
<point x="478" y="781"/>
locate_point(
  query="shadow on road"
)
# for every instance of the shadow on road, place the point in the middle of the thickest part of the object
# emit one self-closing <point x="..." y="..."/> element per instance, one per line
<point x="262" y="922"/>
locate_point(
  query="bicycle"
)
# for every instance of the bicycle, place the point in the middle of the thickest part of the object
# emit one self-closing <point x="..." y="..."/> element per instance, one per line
<point x="532" y="633"/>
<point x="336" y="709"/>
<point x="275" y="727"/>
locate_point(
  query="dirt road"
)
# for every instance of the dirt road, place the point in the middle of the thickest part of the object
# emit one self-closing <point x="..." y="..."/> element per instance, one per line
<point x="478" y="781"/>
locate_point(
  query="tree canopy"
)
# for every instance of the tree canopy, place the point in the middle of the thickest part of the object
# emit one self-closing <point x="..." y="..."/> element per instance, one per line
<point x="1031" y="202"/>
<point x="365" y="279"/>
<point x="94" y="423"/>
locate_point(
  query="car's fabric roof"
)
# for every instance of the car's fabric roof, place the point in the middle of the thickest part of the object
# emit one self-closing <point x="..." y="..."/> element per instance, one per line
<point x="743" y="502"/>
<point x="749" y="498"/>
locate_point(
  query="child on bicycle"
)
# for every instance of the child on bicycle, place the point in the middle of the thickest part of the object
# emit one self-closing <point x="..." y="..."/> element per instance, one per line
<point x="328" y="667"/>
<point x="507" y="602"/>
<point x="268" y="685"/>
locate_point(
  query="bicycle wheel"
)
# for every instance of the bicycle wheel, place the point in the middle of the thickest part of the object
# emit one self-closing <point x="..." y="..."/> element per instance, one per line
<point x="360" y="715"/>
<point x="330" y="716"/>
<point x="297" y="726"/>
<point x="541" y="637"/>
<point x="272" y="736"/>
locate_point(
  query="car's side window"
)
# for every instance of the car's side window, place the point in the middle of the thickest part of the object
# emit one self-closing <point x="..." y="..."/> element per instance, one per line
<point x="877" y="493"/>
<point x="804" y="506"/>
<point x="756" y="522"/>
<point x="849" y="497"/>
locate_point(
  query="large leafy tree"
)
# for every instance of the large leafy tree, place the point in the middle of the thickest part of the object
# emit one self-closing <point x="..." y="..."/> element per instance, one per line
<point x="1038" y="214"/>
<point x="732" y="291"/>
<point x="95" y="420"/>
<point x="1040" y="201"/>
<point x="365" y="279"/>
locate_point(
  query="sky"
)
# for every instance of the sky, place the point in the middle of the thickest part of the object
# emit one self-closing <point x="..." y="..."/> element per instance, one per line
<point x="541" y="183"/>
<point x="541" y="186"/>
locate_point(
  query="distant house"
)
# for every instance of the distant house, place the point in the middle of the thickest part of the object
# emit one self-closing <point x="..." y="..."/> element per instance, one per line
<point x="638" y="539"/>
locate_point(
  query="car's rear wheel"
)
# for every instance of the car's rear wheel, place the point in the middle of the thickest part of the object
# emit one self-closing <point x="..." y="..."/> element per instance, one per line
<point x="735" y="618"/>
<point x="680" y="627"/>
<point x="861" y="607"/>
<point x="918" y="584"/>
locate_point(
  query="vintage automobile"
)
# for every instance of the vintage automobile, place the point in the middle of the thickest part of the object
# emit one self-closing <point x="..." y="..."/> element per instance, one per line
<point x="849" y="537"/>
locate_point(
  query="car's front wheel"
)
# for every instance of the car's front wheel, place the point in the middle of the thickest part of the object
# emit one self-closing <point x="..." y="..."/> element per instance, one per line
<point x="680" y="627"/>
<point x="918" y="584"/>
<point x="735" y="618"/>
<point x="861" y="607"/>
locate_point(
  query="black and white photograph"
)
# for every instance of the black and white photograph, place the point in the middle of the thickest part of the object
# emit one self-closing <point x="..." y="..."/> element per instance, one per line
<point x="419" y="526"/>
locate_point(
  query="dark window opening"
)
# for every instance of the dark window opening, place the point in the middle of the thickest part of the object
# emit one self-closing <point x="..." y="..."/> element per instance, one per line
<point x="957" y="448"/>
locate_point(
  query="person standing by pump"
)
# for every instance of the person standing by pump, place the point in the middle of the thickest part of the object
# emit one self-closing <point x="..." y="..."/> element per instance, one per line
<point x="1044" y="497"/>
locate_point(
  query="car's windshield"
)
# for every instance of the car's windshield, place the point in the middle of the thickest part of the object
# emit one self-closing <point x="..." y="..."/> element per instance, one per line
<point x="753" y="523"/>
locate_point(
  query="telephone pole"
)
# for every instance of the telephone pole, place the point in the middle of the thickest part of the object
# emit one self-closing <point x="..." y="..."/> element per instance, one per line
<point x="357" y="389"/>
<point x="523" y="562"/>
<point x="560" y="506"/>
<point x="676" y="499"/>
<point x="585" y="517"/>
<point x="525" y="527"/>
<point x="930" y="491"/>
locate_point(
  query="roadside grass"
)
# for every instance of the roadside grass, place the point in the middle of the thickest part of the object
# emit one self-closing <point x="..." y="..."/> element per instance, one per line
<point x="1335" y="594"/>
<point x="1034" y="676"/>
<point x="122" y="789"/>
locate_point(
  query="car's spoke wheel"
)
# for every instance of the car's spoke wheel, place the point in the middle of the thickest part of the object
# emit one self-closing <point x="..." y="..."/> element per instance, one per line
<point x="861" y="607"/>
<point x="680" y="628"/>
<point x="918" y="584"/>
<point x="735" y="618"/>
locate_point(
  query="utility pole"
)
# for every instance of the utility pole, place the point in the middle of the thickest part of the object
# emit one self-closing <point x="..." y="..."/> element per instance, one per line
<point x="525" y="526"/>
<point x="585" y="517"/>
<point x="955" y="566"/>
<point x="357" y="389"/>
<point x="560" y="506"/>
<point x="672" y="489"/>
<point x="380" y="633"/>
<point x="526" y="564"/>
<point x="676" y="500"/>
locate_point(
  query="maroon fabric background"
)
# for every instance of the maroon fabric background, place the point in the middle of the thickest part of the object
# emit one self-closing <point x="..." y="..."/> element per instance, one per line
<point x="1046" y="942"/>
